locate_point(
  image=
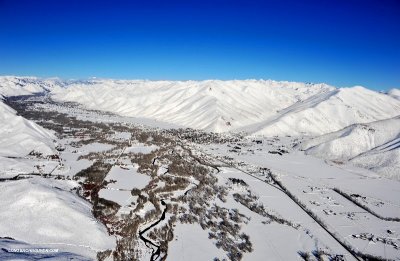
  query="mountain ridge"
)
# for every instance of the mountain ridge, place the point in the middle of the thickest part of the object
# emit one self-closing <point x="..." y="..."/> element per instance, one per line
<point x="256" y="107"/>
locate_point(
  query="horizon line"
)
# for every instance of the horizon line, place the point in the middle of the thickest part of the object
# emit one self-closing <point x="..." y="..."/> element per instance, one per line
<point x="191" y="80"/>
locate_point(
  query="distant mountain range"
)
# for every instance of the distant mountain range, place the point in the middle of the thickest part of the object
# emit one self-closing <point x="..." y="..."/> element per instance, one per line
<point x="343" y="116"/>
<point x="254" y="106"/>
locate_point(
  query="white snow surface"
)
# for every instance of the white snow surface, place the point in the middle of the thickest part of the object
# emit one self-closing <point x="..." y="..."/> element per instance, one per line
<point x="374" y="145"/>
<point x="354" y="140"/>
<point x="311" y="180"/>
<point x="384" y="159"/>
<point x="329" y="112"/>
<point x="141" y="148"/>
<point x="127" y="178"/>
<point x="45" y="212"/>
<point x="395" y="93"/>
<point x="19" y="136"/>
<point x="14" y="85"/>
<point x="191" y="242"/>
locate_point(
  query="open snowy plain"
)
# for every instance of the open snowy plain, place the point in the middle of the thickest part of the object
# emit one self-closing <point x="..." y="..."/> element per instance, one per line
<point x="209" y="170"/>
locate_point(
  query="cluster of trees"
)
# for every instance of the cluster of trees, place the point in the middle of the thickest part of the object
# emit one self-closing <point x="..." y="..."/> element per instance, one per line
<point x="163" y="234"/>
<point x="226" y="232"/>
<point x="251" y="202"/>
<point x="145" y="162"/>
<point x="96" y="173"/>
<point x="236" y="181"/>
<point x="202" y="137"/>
<point x="320" y="254"/>
<point x="223" y="224"/>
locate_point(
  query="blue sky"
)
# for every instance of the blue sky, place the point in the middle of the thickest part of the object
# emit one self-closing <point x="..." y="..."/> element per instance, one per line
<point x="341" y="42"/>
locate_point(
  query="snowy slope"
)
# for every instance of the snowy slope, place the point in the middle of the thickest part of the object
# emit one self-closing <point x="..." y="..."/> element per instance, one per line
<point x="330" y="112"/>
<point x="37" y="212"/>
<point x="354" y="140"/>
<point x="395" y="93"/>
<point x="374" y="145"/>
<point x="31" y="255"/>
<point x="13" y="86"/>
<point x="384" y="159"/>
<point x="257" y="107"/>
<point x="209" y="105"/>
<point x="45" y="212"/>
<point x="19" y="136"/>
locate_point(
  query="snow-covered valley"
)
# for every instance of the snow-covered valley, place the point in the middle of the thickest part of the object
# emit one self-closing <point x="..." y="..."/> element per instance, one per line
<point x="210" y="170"/>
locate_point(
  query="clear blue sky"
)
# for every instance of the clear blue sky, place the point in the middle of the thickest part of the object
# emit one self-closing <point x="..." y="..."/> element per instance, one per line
<point x="341" y="42"/>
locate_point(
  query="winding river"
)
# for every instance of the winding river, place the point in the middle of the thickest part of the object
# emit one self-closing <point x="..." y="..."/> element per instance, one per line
<point x="155" y="249"/>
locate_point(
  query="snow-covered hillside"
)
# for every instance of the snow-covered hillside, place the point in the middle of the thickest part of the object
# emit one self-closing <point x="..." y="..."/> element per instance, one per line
<point x="209" y="105"/>
<point x="384" y="159"/>
<point x="44" y="212"/>
<point x="36" y="212"/>
<point x="328" y="112"/>
<point x="13" y="86"/>
<point x="19" y="136"/>
<point x="354" y="140"/>
<point x="121" y="190"/>
<point x="258" y="107"/>
<point x="373" y="145"/>
<point x="395" y="93"/>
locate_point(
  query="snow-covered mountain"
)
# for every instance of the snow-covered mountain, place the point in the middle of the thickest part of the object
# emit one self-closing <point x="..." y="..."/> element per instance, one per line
<point x="354" y="140"/>
<point x="328" y="112"/>
<point x="395" y="93"/>
<point x="34" y="211"/>
<point x="257" y="107"/>
<point x="384" y="159"/>
<point x="43" y="213"/>
<point x="374" y="145"/>
<point x="19" y="136"/>
<point x="119" y="189"/>
<point x="14" y="86"/>
<point x="209" y="105"/>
